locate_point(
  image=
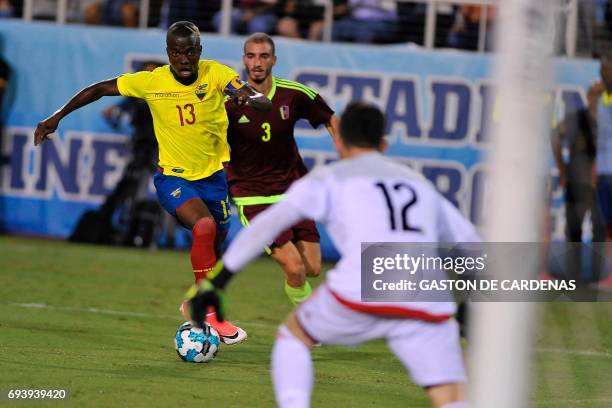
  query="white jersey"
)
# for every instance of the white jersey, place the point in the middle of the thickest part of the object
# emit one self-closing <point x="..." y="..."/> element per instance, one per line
<point x="366" y="198"/>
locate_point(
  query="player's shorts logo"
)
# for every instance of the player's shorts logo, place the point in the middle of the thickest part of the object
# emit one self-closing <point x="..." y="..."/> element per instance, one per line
<point x="201" y="91"/>
<point x="176" y="193"/>
<point x="284" y="111"/>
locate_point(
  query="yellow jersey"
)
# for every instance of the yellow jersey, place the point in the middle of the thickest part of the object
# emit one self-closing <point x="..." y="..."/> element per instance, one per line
<point x="190" y="120"/>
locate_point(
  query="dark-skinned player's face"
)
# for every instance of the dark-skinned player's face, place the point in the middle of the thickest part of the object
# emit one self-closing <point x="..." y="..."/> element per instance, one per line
<point x="184" y="55"/>
<point x="258" y="60"/>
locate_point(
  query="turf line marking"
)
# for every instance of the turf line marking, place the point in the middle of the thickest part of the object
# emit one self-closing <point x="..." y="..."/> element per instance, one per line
<point x="91" y="310"/>
<point x="584" y="353"/>
<point x="123" y="313"/>
<point x="556" y="403"/>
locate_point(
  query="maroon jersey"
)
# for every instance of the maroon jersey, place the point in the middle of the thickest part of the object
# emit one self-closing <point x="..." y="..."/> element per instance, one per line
<point x="264" y="158"/>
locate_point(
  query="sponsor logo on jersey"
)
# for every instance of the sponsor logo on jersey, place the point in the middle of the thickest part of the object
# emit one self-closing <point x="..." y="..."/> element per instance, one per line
<point x="243" y="119"/>
<point x="176" y="193"/>
<point x="201" y="91"/>
<point x="167" y="94"/>
<point x="284" y="111"/>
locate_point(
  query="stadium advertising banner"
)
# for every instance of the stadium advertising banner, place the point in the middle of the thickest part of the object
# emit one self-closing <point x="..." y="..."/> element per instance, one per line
<point x="438" y="106"/>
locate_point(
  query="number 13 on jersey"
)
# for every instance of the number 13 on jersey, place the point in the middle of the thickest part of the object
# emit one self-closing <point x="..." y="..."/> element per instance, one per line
<point x="188" y="117"/>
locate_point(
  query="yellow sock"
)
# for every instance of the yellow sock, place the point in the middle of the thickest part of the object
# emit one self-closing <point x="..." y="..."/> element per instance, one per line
<point x="298" y="295"/>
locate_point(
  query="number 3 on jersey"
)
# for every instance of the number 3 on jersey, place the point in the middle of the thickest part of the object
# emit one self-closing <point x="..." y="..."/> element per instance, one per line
<point x="266" y="128"/>
<point x="397" y="189"/>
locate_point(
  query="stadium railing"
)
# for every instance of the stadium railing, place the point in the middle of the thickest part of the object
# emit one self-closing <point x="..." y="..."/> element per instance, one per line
<point x="568" y="9"/>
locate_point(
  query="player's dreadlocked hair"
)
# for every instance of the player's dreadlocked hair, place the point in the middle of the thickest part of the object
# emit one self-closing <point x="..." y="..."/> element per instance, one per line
<point x="362" y="125"/>
<point x="183" y="29"/>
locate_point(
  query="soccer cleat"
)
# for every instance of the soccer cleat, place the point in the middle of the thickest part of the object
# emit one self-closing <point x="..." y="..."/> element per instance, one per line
<point x="236" y="338"/>
<point x="228" y="333"/>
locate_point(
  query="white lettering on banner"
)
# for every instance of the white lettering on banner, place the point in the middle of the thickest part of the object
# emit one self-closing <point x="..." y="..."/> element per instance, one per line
<point x="444" y="116"/>
<point x="457" y="109"/>
<point x="80" y="166"/>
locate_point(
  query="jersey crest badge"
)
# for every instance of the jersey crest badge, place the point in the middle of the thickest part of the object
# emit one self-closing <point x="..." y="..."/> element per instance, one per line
<point x="176" y="193"/>
<point x="201" y="91"/>
<point x="284" y="111"/>
<point x="243" y="119"/>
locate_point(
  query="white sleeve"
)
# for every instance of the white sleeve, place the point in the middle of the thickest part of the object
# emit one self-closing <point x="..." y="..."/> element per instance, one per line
<point x="305" y="199"/>
<point x="453" y="226"/>
<point x="309" y="195"/>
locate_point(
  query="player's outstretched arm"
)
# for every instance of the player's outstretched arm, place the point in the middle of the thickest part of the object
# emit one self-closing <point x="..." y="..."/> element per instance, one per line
<point x="84" y="97"/>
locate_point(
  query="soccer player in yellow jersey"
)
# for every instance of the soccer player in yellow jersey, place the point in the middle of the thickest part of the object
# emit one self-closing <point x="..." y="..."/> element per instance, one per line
<point x="186" y="99"/>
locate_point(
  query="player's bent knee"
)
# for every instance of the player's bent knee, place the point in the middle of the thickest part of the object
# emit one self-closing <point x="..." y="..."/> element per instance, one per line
<point x="313" y="270"/>
<point x="205" y="228"/>
<point x="191" y="211"/>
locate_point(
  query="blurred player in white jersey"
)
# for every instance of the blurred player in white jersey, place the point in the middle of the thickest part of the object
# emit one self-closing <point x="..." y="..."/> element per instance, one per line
<point x="364" y="197"/>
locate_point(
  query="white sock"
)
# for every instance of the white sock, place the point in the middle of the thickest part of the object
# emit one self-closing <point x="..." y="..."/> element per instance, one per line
<point x="292" y="373"/>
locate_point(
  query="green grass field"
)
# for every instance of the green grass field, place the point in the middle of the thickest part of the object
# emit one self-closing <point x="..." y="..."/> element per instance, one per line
<point x="99" y="321"/>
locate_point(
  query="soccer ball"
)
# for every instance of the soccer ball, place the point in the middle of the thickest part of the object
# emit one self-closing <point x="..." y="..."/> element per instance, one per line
<point x="196" y="345"/>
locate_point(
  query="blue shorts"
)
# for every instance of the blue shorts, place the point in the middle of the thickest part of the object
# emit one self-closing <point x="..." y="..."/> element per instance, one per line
<point x="604" y="196"/>
<point x="173" y="191"/>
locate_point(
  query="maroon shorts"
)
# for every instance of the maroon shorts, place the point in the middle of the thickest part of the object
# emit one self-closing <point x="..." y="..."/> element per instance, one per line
<point x="305" y="230"/>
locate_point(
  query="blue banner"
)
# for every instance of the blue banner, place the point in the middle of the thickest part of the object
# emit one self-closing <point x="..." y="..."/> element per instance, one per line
<point x="438" y="104"/>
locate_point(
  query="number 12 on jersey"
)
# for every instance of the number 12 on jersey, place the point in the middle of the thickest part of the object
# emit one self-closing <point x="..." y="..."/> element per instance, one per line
<point x="390" y="195"/>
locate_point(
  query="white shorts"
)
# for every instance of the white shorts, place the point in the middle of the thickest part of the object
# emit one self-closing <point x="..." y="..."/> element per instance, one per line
<point x="431" y="352"/>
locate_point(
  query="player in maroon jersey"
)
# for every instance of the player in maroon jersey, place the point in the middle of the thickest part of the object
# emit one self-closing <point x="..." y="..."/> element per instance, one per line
<point x="265" y="159"/>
